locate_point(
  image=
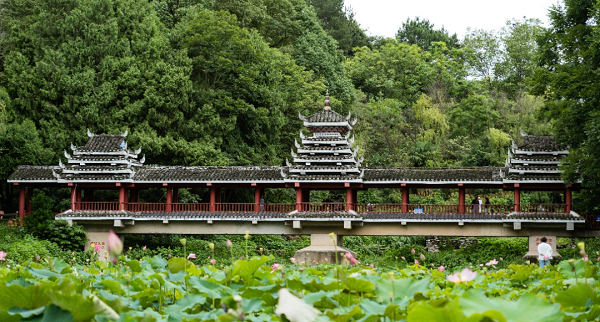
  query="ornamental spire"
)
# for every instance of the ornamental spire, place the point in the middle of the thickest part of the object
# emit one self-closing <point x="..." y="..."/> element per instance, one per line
<point x="327" y="102"/>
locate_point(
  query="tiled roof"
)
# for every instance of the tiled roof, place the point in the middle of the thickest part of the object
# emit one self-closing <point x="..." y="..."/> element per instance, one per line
<point x="308" y="158"/>
<point x="322" y="177"/>
<point x="32" y="172"/>
<point x="535" y="167"/>
<point x="324" y="214"/>
<point x="325" y="116"/>
<point x="533" y="177"/>
<point x="340" y="215"/>
<point x="540" y="143"/>
<point x="325" y="147"/>
<point x="538" y="157"/>
<point x="103" y="143"/>
<point x="434" y="174"/>
<point x="102" y="158"/>
<point x="208" y="174"/>
<point x="95" y="176"/>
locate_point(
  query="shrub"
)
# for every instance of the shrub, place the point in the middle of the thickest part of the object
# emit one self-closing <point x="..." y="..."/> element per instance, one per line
<point x="70" y="238"/>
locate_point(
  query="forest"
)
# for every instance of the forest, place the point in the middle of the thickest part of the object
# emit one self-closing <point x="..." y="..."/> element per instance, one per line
<point x="221" y="82"/>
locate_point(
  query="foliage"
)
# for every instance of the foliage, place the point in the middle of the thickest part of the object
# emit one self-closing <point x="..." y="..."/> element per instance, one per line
<point x="41" y="215"/>
<point x="568" y="60"/>
<point x="159" y="289"/>
<point x="68" y="237"/>
<point x="421" y="33"/>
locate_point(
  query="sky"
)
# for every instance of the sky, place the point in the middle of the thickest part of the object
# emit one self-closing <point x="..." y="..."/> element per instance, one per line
<point x="384" y="17"/>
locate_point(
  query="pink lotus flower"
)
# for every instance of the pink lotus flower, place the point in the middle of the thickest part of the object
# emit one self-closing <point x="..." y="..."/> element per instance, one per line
<point x="412" y="251"/>
<point x="169" y="255"/>
<point x="441" y="268"/>
<point x="546" y="257"/>
<point x="229" y="244"/>
<point x="371" y="266"/>
<point x="416" y="262"/>
<point x="293" y="260"/>
<point x="213" y="261"/>
<point x="37" y="258"/>
<point x="492" y="262"/>
<point x="353" y="261"/>
<point x="501" y="258"/>
<point x="2" y="256"/>
<point x="275" y="267"/>
<point x="192" y="256"/>
<point x="422" y="257"/>
<point x="114" y="244"/>
<point x="402" y="257"/>
<point x="464" y="276"/>
<point x="96" y="248"/>
<point x="144" y="247"/>
<point x="349" y="255"/>
<point x="585" y="258"/>
<point x="302" y="268"/>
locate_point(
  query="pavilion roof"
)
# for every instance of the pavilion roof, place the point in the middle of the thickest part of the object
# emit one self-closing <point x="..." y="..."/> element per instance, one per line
<point x="540" y="143"/>
<point x="104" y="143"/>
<point x="208" y="173"/>
<point x="434" y="174"/>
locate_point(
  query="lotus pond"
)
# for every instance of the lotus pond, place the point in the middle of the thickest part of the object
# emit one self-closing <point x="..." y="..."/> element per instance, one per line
<point x="158" y="289"/>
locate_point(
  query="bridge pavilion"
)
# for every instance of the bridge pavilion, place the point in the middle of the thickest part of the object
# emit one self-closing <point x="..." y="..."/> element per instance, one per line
<point x="327" y="159"/>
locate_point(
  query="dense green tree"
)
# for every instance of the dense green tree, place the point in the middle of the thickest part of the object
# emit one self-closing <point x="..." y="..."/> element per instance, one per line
<point x="340" y="24"/>
<point x="106" y="65"/>
<point x="483" y="47"/>
<point x="395" y="71"/>
<point x="519" y="54"/>
<point x="255" y="90"/>
<point x="422" y="33"/>
<point x="569" y="59"/>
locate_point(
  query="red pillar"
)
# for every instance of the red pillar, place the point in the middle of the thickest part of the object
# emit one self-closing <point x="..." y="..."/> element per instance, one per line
<point x="73" y="198"/>
<point x="349" y="201"/>
<point x="78" y="195"/>
<point x="461" y="198"/>
<point x="169" y="198"/>
<point x="405" y="200"/>
<point x="257" y="195"/>
<point x="568" y="199"/>
<point x="28" y="201"/>
<point x="517" y="198"/>
<point x="21" y="204"/>
<point x="213" y="199"/>
<point x="354" y="199"/>
<point x="299" y="198"/>
<point x="122" y="199"/>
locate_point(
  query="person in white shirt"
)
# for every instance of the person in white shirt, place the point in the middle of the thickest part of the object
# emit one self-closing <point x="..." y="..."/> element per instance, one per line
<point x="544" y="252"/>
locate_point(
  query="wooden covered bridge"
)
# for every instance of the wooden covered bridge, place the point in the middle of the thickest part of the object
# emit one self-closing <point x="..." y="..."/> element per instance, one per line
<point x="324" y="160"/>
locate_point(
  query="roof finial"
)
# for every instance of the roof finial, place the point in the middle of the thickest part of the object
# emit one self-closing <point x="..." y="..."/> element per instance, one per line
<point x="327" y="101"/>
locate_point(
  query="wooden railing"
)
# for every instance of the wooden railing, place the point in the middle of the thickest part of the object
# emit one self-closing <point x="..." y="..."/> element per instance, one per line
<point x="147" y="206"/>
<point x="491" y="208"/>
<point x="190" y="207"/>
<point x="318" y="207"/>
<point x="379" y="207"/>
<point x="97" y="205"/>
<point x="323" y="206"/>
<point x="541" y="207"/>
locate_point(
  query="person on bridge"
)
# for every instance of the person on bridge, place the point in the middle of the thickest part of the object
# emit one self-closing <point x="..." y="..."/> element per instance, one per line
<point x="487" y="205"/>
<point x="475" y="204"/>
<point x="544" y="252"/>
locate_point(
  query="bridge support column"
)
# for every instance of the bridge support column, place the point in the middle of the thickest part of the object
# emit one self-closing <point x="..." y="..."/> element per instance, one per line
<point x="299" y="198"/>
<point x="568" y="199"/>
<point x="73" y="198"/>
<point x="461" y="198"/>
<point x="534" y="241"/>
<point x="258" y="193"/>
<point x="349" y="199"/>
<point x="322" y="250"/>
<point x="169" y="199"/>
<point x="122" y="198"/>
<point x="21" y="204"/>
<point x="100" y="238"/>
<point x="518" y="198"/>
<point x="405" y="199"/>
